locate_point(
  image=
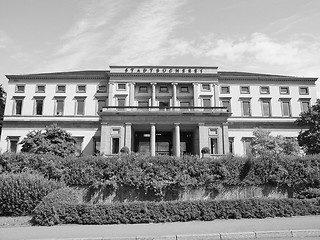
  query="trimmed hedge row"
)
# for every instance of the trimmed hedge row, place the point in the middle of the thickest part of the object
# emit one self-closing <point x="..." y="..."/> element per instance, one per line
<point x="20" y="193"/>
<point x="156" y="212"/>
<point x="160" y="172"/>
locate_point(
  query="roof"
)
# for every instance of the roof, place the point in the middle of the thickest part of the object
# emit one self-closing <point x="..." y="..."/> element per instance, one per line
<point x="72" y="74"/>
<point x="227" y="75"/>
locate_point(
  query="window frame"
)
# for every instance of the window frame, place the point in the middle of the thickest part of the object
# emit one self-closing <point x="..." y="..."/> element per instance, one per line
<point x="226" y="100"/>
<point x="78" y="90"/>
<point x="77" y="101"/>
<point x="185" y="88"/>
<point x="143" y="87"/>
<point x="224" y="87"/>
<point x="114" y="146"/>
<point x="101" y="88"/>
<point x="264" y="87"/>
<point x="161" y="87"/>
<point x="243" y="101"/>
<point x="18" y="86"/>
<point x="120" y="88"/>
<point x="283" y="101"/>
<point x="215" y="150"/>
<point x="206" y="99"/>
<point x="242" y="89"/>
<point x="268" y="101"/>
<point x="57" y="100"/>
<point x="36" y="100"/>
<point x="206" y="89"/>
<point x="303" y="87"/>
<point x="59" y="86"/>
<point x="284" y="87"/>
<point x="15" y="100"/>
<point x="40" y="91"/>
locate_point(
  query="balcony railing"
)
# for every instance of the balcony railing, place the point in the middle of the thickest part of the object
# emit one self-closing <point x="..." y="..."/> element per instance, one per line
<point x="164" y="109"/>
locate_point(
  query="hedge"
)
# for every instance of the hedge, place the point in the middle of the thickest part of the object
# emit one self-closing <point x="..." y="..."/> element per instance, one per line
<point x="160" y="172"/>
<point x="156" y="212"/>
<point x="20" y="193"/>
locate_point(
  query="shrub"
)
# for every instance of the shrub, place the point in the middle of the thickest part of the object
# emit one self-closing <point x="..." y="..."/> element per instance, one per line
<point x="20" y="193"/>
<point x="155" y="212"/>
<point x="205" y="150"/>
<point x="46" y="209"/>
<point x="309" y="193"/>
<point x="125" y="150"/>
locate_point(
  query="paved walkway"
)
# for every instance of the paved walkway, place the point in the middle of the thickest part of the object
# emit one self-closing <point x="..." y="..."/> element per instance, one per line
<point x="190" y="230"/>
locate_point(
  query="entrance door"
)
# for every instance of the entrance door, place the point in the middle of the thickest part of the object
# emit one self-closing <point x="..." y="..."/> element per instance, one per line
<point x="163" y="143"/>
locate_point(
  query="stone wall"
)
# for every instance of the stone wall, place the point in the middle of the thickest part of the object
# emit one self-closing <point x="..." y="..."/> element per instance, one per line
<point x="107" y="194"/>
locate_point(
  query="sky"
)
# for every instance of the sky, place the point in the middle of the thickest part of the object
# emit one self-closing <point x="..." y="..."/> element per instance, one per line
<point x="263" y="36"/>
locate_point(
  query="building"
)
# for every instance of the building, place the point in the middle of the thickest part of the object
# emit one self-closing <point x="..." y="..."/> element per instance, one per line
<point x="171" y="110"/>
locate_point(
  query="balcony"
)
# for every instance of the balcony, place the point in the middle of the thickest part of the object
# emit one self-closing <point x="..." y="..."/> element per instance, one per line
<point x="165" y="109"/>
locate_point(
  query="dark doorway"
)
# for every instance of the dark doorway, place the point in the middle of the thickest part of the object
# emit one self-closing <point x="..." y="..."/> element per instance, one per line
<point x="163" y="143"/>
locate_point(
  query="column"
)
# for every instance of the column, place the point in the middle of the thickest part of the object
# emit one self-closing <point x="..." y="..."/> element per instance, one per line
<point x="203" y="137"/>
<point x="153" y="139"/>
<point x="127" y="141"/>
<point x="195" y="94"/>
<point x="220" y="141"/>
<point x="131" y="94"/>
<point x="174" y="94"/>
<point x="225" y="138"/>
<point x="110" y="94"/>
<point x="105" y="139"/>
<point x="216" y="95"/>
<point x="177" y="139"/>
<point x="153" y="94"/>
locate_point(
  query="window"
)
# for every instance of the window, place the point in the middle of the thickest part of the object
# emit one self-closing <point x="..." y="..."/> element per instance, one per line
<point x="13" y="144"/>
<point x="185" y="104"/>
<point x="184" y="89"/>
<point x="81" y="88"/>
<point x="213" y="145"/>
<point x="164" y="89"/>
<point x="40" y="88"/>
<point x="213" y="131"/>
<point x="143" y="89"/>
<point x="17" y="108"/>
<point x="20" y="88"/>
<point x="115" y="131"/>
<point x="266" y="111"/>
<point x="102" y="88"/>
<point x="61" y="89"/>
<point x="101" y="104"/>
<point x="305" y="105"/>
<point x="226" y="103"/>
<point x="303" y="90"/>
<point x="225" y="89"/>
<point x="163" y="105"/>
<point x="39" y="106"/>
<point x="78" y="145"/>
<point x="285" y="108"/>
<point x="96" y="146"/>
<point x="231" y="144"/>
<point x="121" y="86"/>
<point x="143" y="104"/>
<point x="247" y="146"/>
<point x="115" y="145"/>
<point x="246" y="108"/>
<point x="59" y="106"/>
<point x="284" y="90"/>
<point x="206" y="102"/>
<point x="244" y="89"/>
<point x="80" y="103"/>
<point x="264" y="90"/>
<point x="206" y="87"/>
<point x="121" y="102"/>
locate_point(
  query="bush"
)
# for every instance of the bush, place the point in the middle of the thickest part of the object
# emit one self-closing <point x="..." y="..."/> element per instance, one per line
<point x="46" y="209"/>
<point x="309" y="193"/>
<point x="20" y="193"/>
<point x="205" y="150"/>
<point x="125" y="150"/>
<point x="155" y="212"/>
<point x="156" y="174"/>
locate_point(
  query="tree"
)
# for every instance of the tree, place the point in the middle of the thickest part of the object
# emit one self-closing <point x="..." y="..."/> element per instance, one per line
<point x="265" y="144"/>
<point x="53" y="140"/>
<point x="310" y="138"/>
<point x="2" y="101"/>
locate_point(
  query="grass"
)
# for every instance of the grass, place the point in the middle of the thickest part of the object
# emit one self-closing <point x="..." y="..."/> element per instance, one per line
<point x="15" y="221"/>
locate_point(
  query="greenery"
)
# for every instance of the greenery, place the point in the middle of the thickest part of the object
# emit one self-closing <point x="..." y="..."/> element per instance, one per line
<point x="265" y="144"/>
<point x="205" y="150"/>
<point x="125" y="150"/>
<point x="2" y="101"/>
<point x="20" y="193"/>
<point x="43" y="211"/>
<point x="155" y="212"/>
<point x="310" y="138"/>
<point x="156" y="174"/>
<point x="53" y="140"/>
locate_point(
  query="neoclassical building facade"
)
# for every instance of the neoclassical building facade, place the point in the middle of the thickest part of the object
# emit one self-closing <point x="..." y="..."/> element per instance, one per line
<point x="172" y="110"/>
